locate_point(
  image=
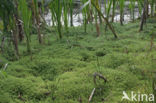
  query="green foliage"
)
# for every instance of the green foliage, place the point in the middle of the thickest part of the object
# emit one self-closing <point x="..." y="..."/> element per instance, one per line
<point x="9" y="53"/>
<point x="63" y="72"/>
<point x="31" y="88"/>
<point x="7" y="10"/>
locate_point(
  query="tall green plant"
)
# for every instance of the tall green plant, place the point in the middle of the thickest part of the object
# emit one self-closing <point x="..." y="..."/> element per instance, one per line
<point x="113" y="9"/>
<point x="96" y="18"/>
<point x="26" y="15"/>
<point x="71" y="11"/>
<point x="155" y="8"/>
<point x="84" y="13"/>
<point x="92" y="2"/>
<point x="56" y="8"/>
<point x="109" y="8"/>
<point x="37" y="18"/>
<point x="132" y="7"/>
<point x="65" y="14"/>
<point x="122" y="5"/>
<point x="53" y="16"/>
<point x="152" y="7"/>
<point x="140" y="6"/>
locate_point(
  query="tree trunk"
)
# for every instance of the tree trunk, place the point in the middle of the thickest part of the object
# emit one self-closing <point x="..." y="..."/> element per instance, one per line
<point x="71" y="14"/>
<point x="15" y="42"/>
<point x="2" y="43"/>
<point x="15" y="37"/>
<point x="121" y="19"/>
<point x="113" y="11"/>
<point x="97" y="29"/>
<point x="152" y="8"/>
<point x="143" y="18"/>
<point x="100" y="19"/>
<point x="147" y="8"/>
<point x="19" y="24"/>
<point x="155" y="8"/>
<point x="38" y="28"/>
<point x="37" y="18"/>
<point x="39" y="33"/>
<point x="20" y="31"/>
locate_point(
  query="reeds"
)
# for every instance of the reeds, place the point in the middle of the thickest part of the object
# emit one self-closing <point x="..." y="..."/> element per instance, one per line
<point x="121" y="4"/>
<point x="26" y="15"/>
<point x="65" y="14"/>
<point x="37" y="18"/>
<point x="132" y="8"/>
<point x="62" y="14"/>
<point x="56" y="10"/>
<point x="113" y="9"/>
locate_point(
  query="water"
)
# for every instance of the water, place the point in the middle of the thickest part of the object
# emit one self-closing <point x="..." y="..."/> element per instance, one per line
<point x="78" y="19"/>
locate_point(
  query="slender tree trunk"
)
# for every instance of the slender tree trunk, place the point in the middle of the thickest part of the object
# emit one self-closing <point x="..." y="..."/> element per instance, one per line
<point x="152" y="8"/>
<point x="39" y="33"/>
<point x="155" y="8"/>
<point x="71" y="13"/>
<point x="71" y="19"/>
<point x="38" y="29"/>
<point x="100" y="19"/>
<point x="20" y="31"/>
<point x="90" y="16"/>
<point x="15" y="36"/>
<point x="121" y="19"/>
<point x="15" y="42"/>
<point x="2" y="43"/>
<point x="121" y="12"/>
<point x="97" y="24"/>
<point x="113" y="11"/>
<point x="28" y="45"/>
<point x="37" y="18"/>
<point x="147" y="8"/>
<point x="143" y="18"/>
<point x="59" y="20"/>
<point x="97" y="29"/>
<point x="19" y="24"/>
<point x="41" y="13"/>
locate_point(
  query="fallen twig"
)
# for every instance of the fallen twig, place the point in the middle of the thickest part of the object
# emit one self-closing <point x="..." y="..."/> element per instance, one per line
<point x="100" y="76"/>
<point x="91" y="96"/>
<point x="6" y="65"/>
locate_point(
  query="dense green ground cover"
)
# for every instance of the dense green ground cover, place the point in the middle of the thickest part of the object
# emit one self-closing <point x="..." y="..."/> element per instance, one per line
<point x="61" y="71"/>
